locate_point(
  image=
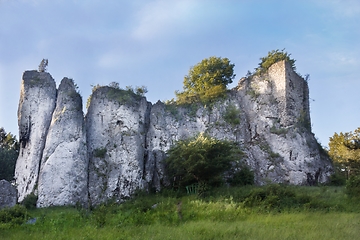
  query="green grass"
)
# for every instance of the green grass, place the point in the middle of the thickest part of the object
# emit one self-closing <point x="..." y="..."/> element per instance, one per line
<point x="283" y="213"/>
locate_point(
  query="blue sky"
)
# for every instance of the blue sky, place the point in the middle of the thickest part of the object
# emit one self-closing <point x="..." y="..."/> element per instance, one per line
<point x="155" y="42"/>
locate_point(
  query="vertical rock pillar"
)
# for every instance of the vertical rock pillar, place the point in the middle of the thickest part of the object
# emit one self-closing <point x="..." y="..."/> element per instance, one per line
<point x="64" y="166"/>
<point x="36" y="105"/>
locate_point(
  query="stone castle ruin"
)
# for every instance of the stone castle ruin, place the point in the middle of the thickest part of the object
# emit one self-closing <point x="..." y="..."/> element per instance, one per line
<point x="119" y="146"/>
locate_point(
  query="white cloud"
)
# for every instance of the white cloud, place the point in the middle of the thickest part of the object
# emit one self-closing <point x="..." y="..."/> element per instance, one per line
<point x="161" y="16"/>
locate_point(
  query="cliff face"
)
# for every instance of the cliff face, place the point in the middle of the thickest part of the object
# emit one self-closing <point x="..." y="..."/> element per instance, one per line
<point x="125" y="138"/>
<point x="63" y="175"/>
<point x="116" y="125"/>
<point x="267" y="115"/>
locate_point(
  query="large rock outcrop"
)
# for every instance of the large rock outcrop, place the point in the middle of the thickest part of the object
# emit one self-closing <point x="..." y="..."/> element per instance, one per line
<point x="116" y="130"/>
<point x="123" y="143"/>
<point x="37" y="103"/>
<point x="63" y="177"/>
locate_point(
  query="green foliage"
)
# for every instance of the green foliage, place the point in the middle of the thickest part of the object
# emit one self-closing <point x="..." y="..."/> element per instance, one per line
<point x="337" y="179"/>
<point x="206" y="81"/>
<point x="14" y="216"/>
<point x="100" y="152"/>
<point x="232" y="115"/>
<point x="266" y="148"/>
<point x="171" y="107"/>
<point x="303" y="121"/>
<point x="253" y="93"/>
<point x="344" y="150"/>
<point x="286" y="212"/>
<point x="30" y="201"/>
<point x="274" y="197"/>
<point x="115" y="85"/>
<point x="242" y="177"/>
<point x="200" y="159"/>
<point x="99" y="215"/>
<point x="140" y="91"/>
<point x="273" y="57"/>
<point x="9" y="151"/>
<point x="353" y="186"/>
<point x="126" y="96"/>
<point x="278" y="131"/>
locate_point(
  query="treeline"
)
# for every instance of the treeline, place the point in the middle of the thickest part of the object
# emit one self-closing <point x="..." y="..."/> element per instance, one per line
<point x="9" y="151"/>
<point x="344" y="150"/>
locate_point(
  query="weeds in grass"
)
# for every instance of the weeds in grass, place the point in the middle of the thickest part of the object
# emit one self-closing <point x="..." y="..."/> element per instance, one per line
<point x="269" y="212"/>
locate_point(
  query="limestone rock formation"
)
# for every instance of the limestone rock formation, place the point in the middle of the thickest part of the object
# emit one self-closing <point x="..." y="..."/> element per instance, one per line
<point x="8" y="194"/>
<point x="116" y="129"/>
<point x="37" y="103"/>
<point x="64" y="165"/>
<point x="276" y="105"/>
<point x="124" y="141"/>
<point x="267" y="115"/>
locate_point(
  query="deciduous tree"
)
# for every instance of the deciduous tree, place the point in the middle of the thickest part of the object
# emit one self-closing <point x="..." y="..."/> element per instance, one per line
<point x="201" y="159"/>
<point x="9" y="151"/>
<point x="206" y="80"/>
<point x="344" y="149"/>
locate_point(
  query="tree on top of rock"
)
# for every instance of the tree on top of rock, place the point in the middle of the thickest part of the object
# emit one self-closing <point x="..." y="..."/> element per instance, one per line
<point x="206" y="80"/>
<point x="273" y="57"/>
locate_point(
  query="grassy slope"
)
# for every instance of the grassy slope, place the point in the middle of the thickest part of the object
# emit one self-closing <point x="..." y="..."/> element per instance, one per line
<point x="220" y="215"/>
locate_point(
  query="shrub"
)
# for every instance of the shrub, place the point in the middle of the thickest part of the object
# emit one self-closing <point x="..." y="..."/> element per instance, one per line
<point x="353" y="186"/>
<point x="15" y="215"/>
<point x="273" y="57"/>
<point x="274" y="197"/>
<point x="337" y="179"/>
<point x="141" y="91"/>
<point x="30" y="201"/>
<point x="231" y="115"/>
<point x="278" y="131"/>
<point x="100" y="152"/>
<point x="200" y="159"/>
<point x="243" y="177"/>
<point x="99" y="215"/>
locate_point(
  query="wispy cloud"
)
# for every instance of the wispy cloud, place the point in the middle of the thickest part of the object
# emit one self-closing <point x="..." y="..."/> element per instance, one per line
<point x="160" y="17"/>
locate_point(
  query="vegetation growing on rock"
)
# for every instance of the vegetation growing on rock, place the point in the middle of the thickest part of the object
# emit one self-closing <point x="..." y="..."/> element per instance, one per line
<point x="274" y="56"/>
<point x="206" y="80"/>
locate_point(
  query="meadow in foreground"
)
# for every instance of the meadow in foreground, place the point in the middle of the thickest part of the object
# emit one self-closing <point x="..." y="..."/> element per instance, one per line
<point x="271" y="212"/>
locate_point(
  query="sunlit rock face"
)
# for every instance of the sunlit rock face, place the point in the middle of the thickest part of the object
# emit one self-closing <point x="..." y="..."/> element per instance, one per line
<point x="122" y="143"/>
<point x="279" y="139"/>
<point x="63" y="175"/>
<point x="37" y="103"/>
<point x="116" y="130"/>
<point x="267" y="115"/>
